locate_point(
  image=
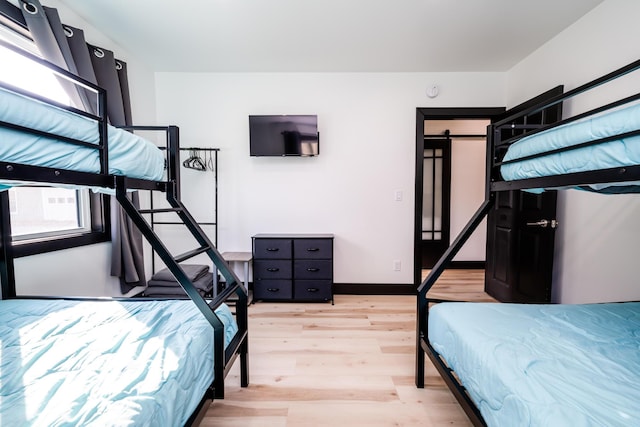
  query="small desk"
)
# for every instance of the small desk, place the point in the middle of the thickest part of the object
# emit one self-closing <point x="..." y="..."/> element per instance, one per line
<point x="243" y="257"/>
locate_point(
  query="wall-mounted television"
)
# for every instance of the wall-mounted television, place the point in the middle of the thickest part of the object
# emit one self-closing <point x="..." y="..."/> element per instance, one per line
<point x="284" y="135"/>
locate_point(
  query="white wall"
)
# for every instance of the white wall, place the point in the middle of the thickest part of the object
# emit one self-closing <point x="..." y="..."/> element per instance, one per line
<point x="596" y="243"/>
<point x="85" y="270"/>
<point x="367" y="124"/>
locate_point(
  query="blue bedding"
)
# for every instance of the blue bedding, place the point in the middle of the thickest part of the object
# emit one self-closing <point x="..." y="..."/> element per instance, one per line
<point x="621" y="152"/>
<point x="544" y="365"/>
<point x="68" y="363"/>
<point x="129" y="154"/>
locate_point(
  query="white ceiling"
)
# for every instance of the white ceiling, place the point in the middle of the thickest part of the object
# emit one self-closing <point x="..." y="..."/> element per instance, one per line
<point x="331" y="35"/>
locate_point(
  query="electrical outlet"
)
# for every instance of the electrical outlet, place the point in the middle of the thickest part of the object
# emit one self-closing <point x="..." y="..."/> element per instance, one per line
<point x="397" y="265"/>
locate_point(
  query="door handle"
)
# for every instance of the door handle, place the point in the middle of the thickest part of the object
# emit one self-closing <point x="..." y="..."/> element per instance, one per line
<point x="544" y="223"/>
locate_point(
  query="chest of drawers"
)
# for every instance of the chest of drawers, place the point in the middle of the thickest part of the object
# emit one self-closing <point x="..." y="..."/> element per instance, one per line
<point x="293" y="267"/>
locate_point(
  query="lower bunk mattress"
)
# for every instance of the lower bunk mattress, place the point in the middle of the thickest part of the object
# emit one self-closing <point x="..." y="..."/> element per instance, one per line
<point x="69" y="363"/>
<point x="544" y="365"/>
<point x="620" y="152"/>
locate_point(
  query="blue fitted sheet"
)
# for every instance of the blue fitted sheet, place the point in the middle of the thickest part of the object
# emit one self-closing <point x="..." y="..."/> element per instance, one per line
<point x="621" y="152"/>
<point x="129" y="154"/>
<point x="544" y="365"/>
<point x="99" y="363"/>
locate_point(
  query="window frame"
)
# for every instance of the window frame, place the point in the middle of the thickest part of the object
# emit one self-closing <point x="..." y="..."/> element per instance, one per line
<point x="100" y="231"/>
<point x="81" y="208"/>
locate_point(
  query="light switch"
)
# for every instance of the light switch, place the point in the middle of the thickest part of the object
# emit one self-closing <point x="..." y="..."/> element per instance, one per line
<point x="398" y="195"/>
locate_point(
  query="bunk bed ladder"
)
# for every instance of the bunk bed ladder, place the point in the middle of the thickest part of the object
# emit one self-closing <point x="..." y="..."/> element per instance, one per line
<point x="233" y="285"/>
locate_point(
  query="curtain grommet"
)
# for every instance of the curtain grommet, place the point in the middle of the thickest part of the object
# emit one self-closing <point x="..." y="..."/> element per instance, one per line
<point x="30" y="8"/>
<point x="118" y="66"/>
<point x="98" y="52"/>
<point x="67" y="31"/>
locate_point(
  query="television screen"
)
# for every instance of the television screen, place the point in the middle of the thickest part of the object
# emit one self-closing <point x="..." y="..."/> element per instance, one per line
<point x="285" y="135"/>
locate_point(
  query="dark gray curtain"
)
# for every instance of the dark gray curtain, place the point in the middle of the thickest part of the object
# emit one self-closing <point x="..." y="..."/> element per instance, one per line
<point x="66" y="47"/>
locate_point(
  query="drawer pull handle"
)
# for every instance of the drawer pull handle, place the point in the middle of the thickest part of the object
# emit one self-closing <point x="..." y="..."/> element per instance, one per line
<point x="312" y="289"/>
<point x="273" y="269"/>
<point x="313" y="249"/>
<point x="273" y="289"/>
<point x="313" y="270"/>
<point x="273" y="249"/>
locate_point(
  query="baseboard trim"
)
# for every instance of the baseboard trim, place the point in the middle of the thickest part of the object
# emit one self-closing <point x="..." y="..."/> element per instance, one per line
<point x="374" y="289"/>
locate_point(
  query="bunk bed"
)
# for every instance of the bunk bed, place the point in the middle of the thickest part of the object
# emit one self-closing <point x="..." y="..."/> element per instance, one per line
<point x="109" y="361"/>
<point x="543" y="364"/>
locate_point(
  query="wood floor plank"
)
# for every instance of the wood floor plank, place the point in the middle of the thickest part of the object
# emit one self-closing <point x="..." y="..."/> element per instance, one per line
<point x="350" y="363"/>
<point x="302" y="345"/>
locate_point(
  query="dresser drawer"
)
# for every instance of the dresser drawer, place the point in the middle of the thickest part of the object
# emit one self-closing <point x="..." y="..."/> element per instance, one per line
<point x="273" y="289"/>
<point x="313" y="248"/>
<point x="272" y="248"/>
<point x="312" y="290"/>
<point x="313" y="269"/>
<point x="272" y="269"/>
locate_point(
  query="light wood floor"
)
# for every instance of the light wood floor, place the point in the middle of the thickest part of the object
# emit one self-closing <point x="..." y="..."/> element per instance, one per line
<point x="348" y="364"/>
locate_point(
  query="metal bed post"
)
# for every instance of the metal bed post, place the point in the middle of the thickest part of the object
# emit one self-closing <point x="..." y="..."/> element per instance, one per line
<point x="7" y="272"/>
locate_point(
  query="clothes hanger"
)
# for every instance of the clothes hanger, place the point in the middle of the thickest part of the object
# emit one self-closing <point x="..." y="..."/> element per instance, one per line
<point x="194" y="161"/>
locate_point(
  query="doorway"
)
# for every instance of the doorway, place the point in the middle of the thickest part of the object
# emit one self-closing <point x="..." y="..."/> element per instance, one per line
<point x="443" y="139"/>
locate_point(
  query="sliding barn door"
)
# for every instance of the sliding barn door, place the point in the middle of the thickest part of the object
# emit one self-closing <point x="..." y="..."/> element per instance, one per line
<point x="521" y="230"/>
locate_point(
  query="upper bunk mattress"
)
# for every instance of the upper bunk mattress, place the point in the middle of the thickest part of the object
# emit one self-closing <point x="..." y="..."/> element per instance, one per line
<point x="104" y="362"/>
<point x="544" y="365"/>
<point x="129" y="154"/>
<point x="617" y="153"/>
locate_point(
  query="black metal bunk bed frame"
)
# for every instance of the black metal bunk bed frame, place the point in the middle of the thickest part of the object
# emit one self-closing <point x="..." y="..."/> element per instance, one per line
<point x="496" y="148"/>
<point x="233" y="289"/>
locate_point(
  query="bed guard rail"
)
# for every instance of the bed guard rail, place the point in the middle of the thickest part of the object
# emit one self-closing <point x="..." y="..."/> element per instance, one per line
<point x="67" y="79"/>
<point x="517" y="123"/>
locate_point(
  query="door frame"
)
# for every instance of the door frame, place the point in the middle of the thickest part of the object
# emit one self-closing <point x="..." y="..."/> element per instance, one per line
<point x="422" y="114"/>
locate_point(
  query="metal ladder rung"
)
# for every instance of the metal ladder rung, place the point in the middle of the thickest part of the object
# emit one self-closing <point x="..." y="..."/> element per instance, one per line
<point x="185" y="256"/>
<point x="160" y="210"/>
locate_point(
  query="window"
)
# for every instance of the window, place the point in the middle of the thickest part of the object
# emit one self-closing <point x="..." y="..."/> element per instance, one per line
<point x="42" y="212"/>
<point x="47" y="218"/>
